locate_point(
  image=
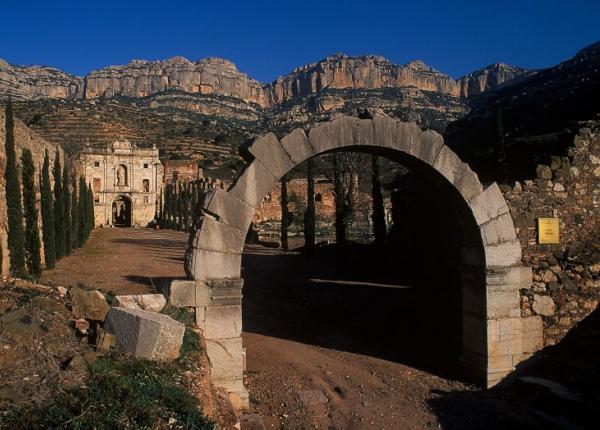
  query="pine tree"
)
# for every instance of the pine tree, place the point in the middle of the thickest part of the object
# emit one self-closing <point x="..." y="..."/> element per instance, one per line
<point x="285" y="214"/>
<point x="32" y="233"/>
<point x="66" y="198"/>
<point x="310" y="216"/>
<point x="378" y="215"/>
<point x="74" y="217"/>
<point x="82" y="209"/>
<point x="16" y="247"/>
<point x="58" y="208"/>
<point x="48" y="228"/>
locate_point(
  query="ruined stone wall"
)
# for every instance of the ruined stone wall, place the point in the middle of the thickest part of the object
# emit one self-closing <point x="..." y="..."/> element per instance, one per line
<point x="270" y="208"/>
<point x="181" y="170"/>
<point x="566" y="276"/>
<point x="24" y="138"/>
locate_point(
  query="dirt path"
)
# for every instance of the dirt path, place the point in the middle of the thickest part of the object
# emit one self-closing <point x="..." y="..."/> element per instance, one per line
<point x="319" y="355"/>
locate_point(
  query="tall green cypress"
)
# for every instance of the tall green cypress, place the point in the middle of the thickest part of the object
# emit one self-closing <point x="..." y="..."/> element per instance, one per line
<point x="48" y="228"/>
<point x="58" y="208"/>
<point x="74" y="217"/>
<point x="32" y="232"/>
<point x="90" y="211"/>
<point x="16" y="245"/>
<point x="66" y="198"/>
<point x="82" y="209"/>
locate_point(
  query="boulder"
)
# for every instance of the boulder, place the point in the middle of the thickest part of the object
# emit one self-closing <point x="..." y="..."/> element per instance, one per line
<point x="543" y="172"/>
<point x="543" y="305"/>
<point x="88" y="304"/>
<point x="147" y="302"/>
<point x="146" y="334"/>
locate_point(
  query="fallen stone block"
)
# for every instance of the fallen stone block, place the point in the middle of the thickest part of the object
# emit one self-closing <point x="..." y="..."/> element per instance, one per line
<point x="105" y="340"/>
<point x="88" y="304"/>
<point x="147" y="302"/>
<point x="145" y="334"/>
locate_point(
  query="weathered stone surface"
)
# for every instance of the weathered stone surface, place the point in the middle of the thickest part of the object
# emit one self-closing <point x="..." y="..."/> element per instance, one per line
<point x="205" y="265"/>
<point x="89" y="304"/>
<point x="338" y="133"/>
<point x="498" y="230"/>
<point x="297" y="146"/>
<point x="543" y="172"/>
<point x="228" y="209"/>
<point x="449" y="165"/>
<point x="543" y="305"/>
<point x="146" y="334"/>
<point x="468" y="185"/>
<point x="182" y="293"/>
<point x="503" y="254"/>
<point x="213" y="235"/>
<point x="532" y="334"/>
<point x="147" y="302"/>
<point x="269" y="151"/>
<point x="254" y="184"/>
<point x="225" y="357"/>
<point x="489" y="204"/>
<point x="223" y="322"/>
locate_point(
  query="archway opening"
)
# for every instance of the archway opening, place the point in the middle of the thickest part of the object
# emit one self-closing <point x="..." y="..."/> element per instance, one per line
<point x="121" y="212"/>
<point x="400" y="300"/>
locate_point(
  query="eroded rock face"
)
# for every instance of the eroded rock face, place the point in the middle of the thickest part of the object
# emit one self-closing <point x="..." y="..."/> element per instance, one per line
<point x="220" y="77"/>
<point x="35" y="82"/>
<point x="489" y="78"/>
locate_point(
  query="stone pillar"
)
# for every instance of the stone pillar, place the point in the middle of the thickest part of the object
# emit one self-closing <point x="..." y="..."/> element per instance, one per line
<point x="218" y="308"/>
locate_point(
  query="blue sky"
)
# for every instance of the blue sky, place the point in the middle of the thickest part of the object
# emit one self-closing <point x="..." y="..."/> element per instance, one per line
<point x="270" y="38"/>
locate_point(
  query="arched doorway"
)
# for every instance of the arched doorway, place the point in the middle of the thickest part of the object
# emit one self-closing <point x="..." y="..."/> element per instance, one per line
<point x="486" y="252"/>
<point x="121" y="212"/>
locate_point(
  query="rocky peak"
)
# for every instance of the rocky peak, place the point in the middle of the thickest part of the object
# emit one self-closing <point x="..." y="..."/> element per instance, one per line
<point x="489" y="78"/>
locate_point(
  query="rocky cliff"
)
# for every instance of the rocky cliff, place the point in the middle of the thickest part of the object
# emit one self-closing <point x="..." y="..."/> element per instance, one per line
<point x="219" y="77"/>
<point x="35" y="82"/>
<point x="489" y="78"/>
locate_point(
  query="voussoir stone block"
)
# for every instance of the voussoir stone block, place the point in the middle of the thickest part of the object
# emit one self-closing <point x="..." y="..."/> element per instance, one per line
<point x="338" y="133"/>
<point x="254" y="184"/>
<point x="271" y="154"/>
<point x="206" y="265"/>
<point x="468" y="184"/>
<point x="297" y="146"/>
<point x="449" y="165"/>
<point x="144" y="334"/>
<point x="489" y="204"/>
<point x="428" y="146"/>
<point x="498" y="230"/>
<point x="228" y="209"/>
<point x="212" y="235"/>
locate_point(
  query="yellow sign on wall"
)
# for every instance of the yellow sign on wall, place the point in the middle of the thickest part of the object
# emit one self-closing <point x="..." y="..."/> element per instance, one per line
<point x="548" y="230"/>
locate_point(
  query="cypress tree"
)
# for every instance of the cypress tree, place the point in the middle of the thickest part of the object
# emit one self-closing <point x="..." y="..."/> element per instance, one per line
<point x="32" y="233"/>
<point x="14" y="209"/>
<point x="82" y="209"/>
<point x="378" y="215"/>
<point x="309" y="216"/>
<point x="48" y="228"/>
<point x="285" y="214"/>
<point x="90" y="211"/>
<point x="74" y="217"/>
<point x="180" y="206"/>
<point x="58" y="208"/>
<point x="66" y="198"/>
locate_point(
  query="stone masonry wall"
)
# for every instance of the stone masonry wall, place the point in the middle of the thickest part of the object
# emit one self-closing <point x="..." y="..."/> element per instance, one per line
<point x="566" y="276"/>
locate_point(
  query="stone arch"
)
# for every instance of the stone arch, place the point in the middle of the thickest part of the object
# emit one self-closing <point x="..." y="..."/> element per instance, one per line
<point x="492" y="337"/>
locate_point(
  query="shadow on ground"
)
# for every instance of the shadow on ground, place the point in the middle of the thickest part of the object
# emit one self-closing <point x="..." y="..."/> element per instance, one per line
<point x="354" y="299"/>
<point x="559" y="385"/>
